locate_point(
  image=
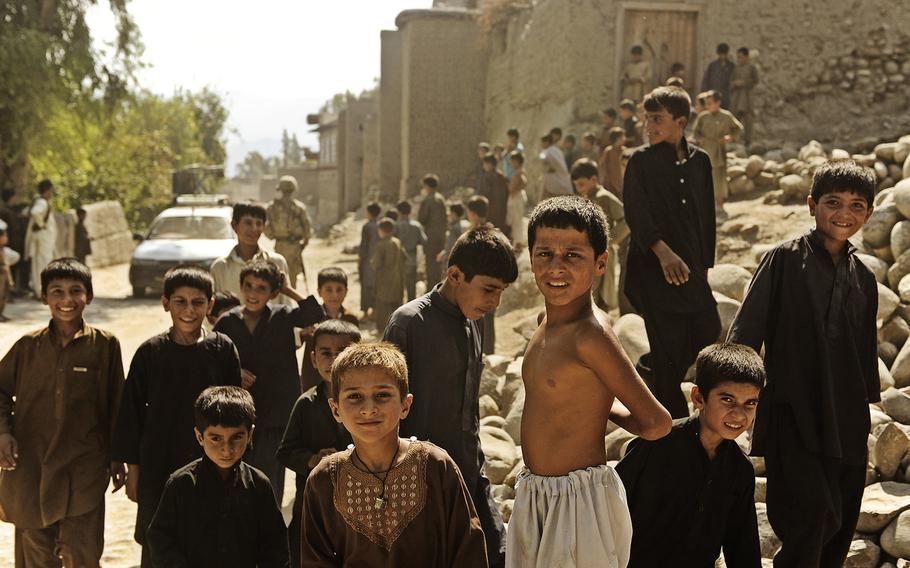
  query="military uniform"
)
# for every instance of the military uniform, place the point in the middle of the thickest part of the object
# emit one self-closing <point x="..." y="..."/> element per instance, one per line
<point x="710" y="130"/>
<point x="289" y="226"/>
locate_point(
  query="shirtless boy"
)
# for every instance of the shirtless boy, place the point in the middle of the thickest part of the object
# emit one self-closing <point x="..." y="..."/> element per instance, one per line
<point x="576" y="378"/>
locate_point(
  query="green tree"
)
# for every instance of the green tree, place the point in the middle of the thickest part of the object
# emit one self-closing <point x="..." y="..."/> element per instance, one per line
<point x="256" y="165"/>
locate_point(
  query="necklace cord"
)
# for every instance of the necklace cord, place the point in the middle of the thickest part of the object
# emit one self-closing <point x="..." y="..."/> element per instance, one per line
<point x="383" y="479"/>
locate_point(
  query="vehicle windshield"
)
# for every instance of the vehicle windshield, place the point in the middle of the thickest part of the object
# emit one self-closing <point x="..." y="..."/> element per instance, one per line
<point x="191" y="227"/>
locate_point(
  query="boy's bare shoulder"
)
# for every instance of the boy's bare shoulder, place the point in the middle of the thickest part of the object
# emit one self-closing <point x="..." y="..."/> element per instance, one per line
<point x="595" y="337"/>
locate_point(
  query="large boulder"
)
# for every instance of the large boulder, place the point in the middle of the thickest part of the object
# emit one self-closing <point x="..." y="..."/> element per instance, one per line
<point x="895" y="538"/>
<point x="754" y="166"/>
<point x="630" y="330"/>
<point x="876" y="266"/>
<point x="887" y="302"/>
<point x="901" y="195"/>
<point x="900" y="238"/>
<point x="877" y="231"/>
<point x="895" y="330"/>
<point x="615" y="443"/>
<point x="794" y="186"/>
<point x="885" y="152"/>
<point x="769" y="542"/>
<point x="884" y="376"/>
<point x="896" y="404"/>
<point x="863" y="553"/>
<point x="511" y="385"/>
<point x="726" y="309"/>
<point x="898" y="270"/>
<point x="903" y="289"/>
<point x="812" y="149"/>
<point x="906" y="168"/>
<point x="500" y="453"/>
<point x="890" y="447"/>
<point x="491" y="385"/>
<point x="488" y="406"/>
<point x="730" y="280"/>
<point x="882" y="502"/>
<point x="900" y="369"/>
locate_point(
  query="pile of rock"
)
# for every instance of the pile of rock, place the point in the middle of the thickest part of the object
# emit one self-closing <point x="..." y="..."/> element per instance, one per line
<point x="876" y="68"/>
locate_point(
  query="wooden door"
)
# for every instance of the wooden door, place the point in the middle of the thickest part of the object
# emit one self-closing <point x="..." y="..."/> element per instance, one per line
<point x="667" y="36"/>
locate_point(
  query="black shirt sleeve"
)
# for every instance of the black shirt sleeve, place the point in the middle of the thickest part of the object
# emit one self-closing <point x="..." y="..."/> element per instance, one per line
<point x="273" y="535"/>
<point x="750" y="325"/>
<point x="230" y="362"/>
<point x="870" y="351"/>
<point x="127" y="435"/>
<point x="296" y="449"/>
<point x="644" y="230"/>
<point x="307" y="312"/>
<point x="163" y="534"/>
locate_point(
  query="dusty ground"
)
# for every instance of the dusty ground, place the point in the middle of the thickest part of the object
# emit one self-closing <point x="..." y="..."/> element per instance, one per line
<point x="133" y="321"/>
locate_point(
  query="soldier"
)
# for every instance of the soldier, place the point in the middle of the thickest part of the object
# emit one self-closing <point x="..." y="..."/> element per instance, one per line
<point x="289" y="225"/>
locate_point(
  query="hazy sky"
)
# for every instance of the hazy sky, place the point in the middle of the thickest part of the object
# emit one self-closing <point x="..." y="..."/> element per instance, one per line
<point x="273" y="61"/>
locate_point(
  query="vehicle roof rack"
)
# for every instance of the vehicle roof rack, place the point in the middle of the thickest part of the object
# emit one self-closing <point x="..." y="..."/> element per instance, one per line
<point x="198" y="199"/>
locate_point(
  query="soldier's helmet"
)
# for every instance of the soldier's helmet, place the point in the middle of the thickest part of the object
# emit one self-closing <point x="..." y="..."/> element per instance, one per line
<point x="287" y="184"/>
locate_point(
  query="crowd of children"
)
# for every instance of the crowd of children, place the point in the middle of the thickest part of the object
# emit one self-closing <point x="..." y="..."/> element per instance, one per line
<point x="384" y="437"/>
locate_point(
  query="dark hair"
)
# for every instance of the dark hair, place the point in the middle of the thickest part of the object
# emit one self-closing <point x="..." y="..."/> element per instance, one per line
<point x="381" y="355"/>
<point x="374" y="209"/>
<point x="484" y="145"/>
<point x="724" y="362"/>
<point x="710" y="94"/>
<point x="584" y="168"/>
<point x="336" y="327"/>
<point x="457" y="209"/>
<point x="45" y="185"/>
<point x="843" y="175"/>
<point x="391" y="214"/>
<point x="611" y="112"/>
<point x="80" y="211"/>
<point x="723" y="48"/>
<point x="675" y="82"/>
<point x="251" y="208"/>
<point x="676" y="101"/>
<point x="430" y="180"/>
<point x="636" y="50"/>
<point x="404" y="207"/>
<point x="517" y="156"/>
<point x="490" y="159"/>
<point x="572" y="211"/>
<point x="479" y="205"/>
<point x="615" y="134"/>
<point x="547" y="138"/>
<point x="262" y="270"/>
<point x="386" y="224"/>
<point x="331" y="274"/>
<point x="512" y="132"/>
<point x="589" y="137"/>
<point x="224" y="301"/>
<point x="556" y="130"/>
<point x="191" y="276"/>
<point x="484" y="251"/>
<point x="627" y="104"/>
<point x="224" y="406"/>
<point x="569" y="138"/>
<point x="66" y="268"/>
<point x="676" y="67"/>
<point x="743" y="51"/>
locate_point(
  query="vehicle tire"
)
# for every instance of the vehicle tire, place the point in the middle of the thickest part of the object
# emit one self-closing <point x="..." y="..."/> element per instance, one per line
<point x="139" y="291"/>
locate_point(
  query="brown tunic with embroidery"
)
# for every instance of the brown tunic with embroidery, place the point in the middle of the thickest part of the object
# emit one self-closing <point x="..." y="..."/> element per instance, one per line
<point x="428" y="519"/>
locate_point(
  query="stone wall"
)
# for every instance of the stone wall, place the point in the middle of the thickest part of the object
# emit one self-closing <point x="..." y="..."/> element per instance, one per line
<point x="443" y="78"/>
<point x="355" y="117"/>
<point x="370" y="172"/>
<point x="112" y="241"/>
<point x="306" y="177"/>
<point x="390" y="115"/>
<point x="328" y="211"/>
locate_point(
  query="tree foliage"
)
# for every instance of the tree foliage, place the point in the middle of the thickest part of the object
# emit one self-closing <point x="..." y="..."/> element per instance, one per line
<point x="255" y="165"/>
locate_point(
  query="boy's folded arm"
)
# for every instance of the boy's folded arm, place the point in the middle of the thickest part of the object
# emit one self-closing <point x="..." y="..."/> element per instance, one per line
<point x="600" y="351"/>
<point x="293" y="451"/>
<point x="8" y="366"/>
<point x="307" y="312"/>
<point x="750" y="323"/>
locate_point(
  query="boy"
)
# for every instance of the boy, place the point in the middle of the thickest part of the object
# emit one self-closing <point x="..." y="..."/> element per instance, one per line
<point x="518" y="201"/>
<point x="742" y="81"/>
<point x="457" y="226"/>
<point x="264" y="336"/>
<point x="636" y="75"/>
<point x="332" y="287"/>
<point x="81" y="242"/>
<point x="312" y="432"/>
<point x="513" y="145"/>
<point x="576" y="378"/>
<point x="440" y="335"/>
<point x="482" y="150"/>
<point x="696" y="478"/>
<point x="216" y="510"/>
<point x="589" y="147"/>
<point x="610" y="163"/>
<point x="629" y="122"/>
<point x="587" y="184"/>
<point x="369" y="236"/>
<point x="248" y="221"/>
<point x="432" y="215"/>
<point x="154" y="426"/>
<point x="478" y="209"/>
<point x="812" y="303"/>
<point x="556" y="176"/>
<point x="414" y="508"/>
<point x="717" y="75"/>
<point x="477" y="217"/>
<point x="388" y="262"/>
<point x="59" y="388"/>
<point x="496" y="189"/>
<point x="713" y="129"/>
<point x="609" y="121"/>
<point x="411" y="234"/>
<point x="570" y="150"/>
<point x="41" y="235"/>
<point x="669" y="205"/>
<point x="221" y="303"/>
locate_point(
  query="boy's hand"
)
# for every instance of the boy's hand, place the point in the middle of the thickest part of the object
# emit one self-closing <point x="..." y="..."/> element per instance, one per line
<point x="676" y="271"/>
<point x="247" y="379"/>
<point x="132" y="482"/>
<point x="118" y="475"/>
<point x="441" y="256"/>
<point x="9" y="451"/>
<point x="317" y="457"/>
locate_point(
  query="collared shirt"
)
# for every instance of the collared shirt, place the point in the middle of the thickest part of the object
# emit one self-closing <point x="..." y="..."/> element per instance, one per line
<point x="269" y="352"/>
<point x="672" y="200"/>
<point x="816" y="321"/>
<point x="155" y="422"/>
<point x="65" y="405"/>
<point x="226" y="271"/>
<point x="556" y="180"/>
<point x="443" y="350"/>
<point x="411" y="234"/>
<point x="204" y="521"/>
<point x="711" y="128"/>
<point x="686" y="506"/>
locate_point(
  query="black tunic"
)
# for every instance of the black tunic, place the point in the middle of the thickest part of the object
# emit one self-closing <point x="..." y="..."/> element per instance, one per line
<point x="204" y="521"/>
<point x="270" y="353"/>
<point x="670" y="200"/>
<point x="155" y="422"/>
<point x="817" y="323"/>
<point x="686" y="507"/>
